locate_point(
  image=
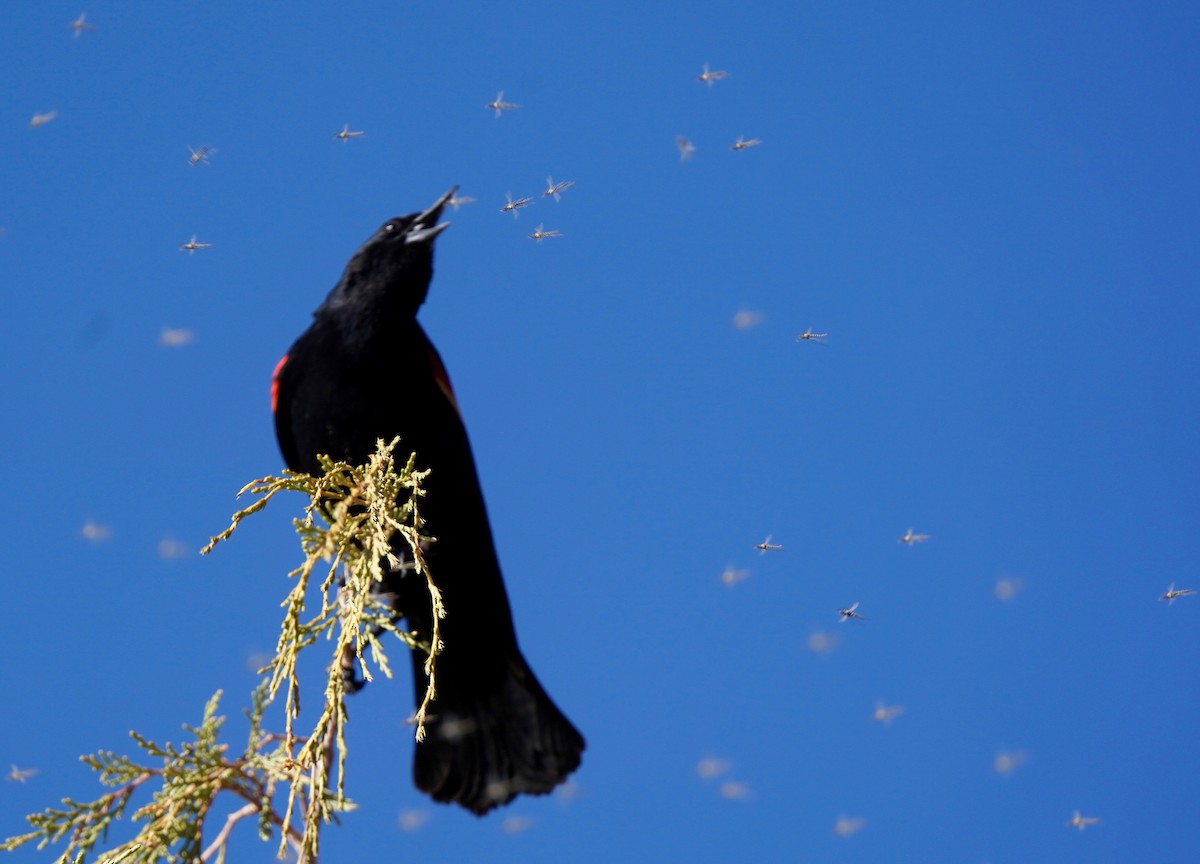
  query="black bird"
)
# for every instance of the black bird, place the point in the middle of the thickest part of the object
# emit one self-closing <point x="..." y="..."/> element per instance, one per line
<point x="365" y="370"/>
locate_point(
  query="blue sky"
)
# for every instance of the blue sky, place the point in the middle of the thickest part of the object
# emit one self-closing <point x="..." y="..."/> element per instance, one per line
<point x="991" y="210"/>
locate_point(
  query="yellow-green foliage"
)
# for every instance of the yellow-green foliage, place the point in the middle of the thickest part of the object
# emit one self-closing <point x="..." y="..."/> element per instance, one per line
<point x="348" y="528"/>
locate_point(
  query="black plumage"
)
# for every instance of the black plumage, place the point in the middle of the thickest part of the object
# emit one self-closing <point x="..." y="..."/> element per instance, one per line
<point x="365" y="370"/>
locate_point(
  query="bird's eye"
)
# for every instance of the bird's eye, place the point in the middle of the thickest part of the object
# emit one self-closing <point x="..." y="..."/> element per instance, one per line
<point x="389" y="226"/>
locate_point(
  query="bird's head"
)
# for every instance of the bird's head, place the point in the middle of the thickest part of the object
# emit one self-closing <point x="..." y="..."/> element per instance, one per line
<point x="388" y="277"/>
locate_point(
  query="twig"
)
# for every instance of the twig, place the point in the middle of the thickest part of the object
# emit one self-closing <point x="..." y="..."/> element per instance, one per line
<point x="223" y="837"/>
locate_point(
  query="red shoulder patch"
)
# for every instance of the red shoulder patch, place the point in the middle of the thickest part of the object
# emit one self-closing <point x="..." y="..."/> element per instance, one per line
<point x="440" y="376"/>
<point x="275" y="382"/>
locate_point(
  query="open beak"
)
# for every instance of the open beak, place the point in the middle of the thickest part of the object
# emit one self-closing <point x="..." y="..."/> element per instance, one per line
<point x="423" y="228"/>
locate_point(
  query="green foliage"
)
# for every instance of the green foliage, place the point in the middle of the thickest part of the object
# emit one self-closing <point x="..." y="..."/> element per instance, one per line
<point x="348" y="528"/>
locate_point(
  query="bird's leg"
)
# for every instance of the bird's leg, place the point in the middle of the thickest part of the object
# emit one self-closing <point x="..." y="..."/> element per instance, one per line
<point x="351" y="681"/>
<point x="386" y="589"/>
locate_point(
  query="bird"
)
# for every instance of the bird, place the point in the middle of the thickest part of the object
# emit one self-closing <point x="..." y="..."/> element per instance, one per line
<point x="686" y="148"/>
<point x="346" y="134"/>
<point x="366" y="370"/>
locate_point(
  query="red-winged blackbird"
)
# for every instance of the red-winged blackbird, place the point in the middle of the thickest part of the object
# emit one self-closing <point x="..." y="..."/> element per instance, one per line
<point x="365" y="370"/>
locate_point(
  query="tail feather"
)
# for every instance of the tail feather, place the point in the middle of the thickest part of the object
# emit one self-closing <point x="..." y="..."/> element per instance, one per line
<point x="482" y="749"/>
<point x="492" y="732"/>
